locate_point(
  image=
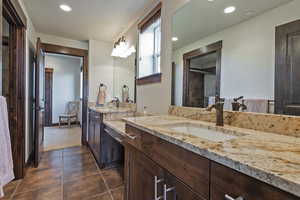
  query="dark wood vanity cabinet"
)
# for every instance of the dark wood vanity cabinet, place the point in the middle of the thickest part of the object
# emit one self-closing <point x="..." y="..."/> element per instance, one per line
<point x="228" y="182"/>
<point x="107" y="151"/>
<point x="148" y="181"/>
<point x="94" y="140"/>
<point x="151" y="162"/>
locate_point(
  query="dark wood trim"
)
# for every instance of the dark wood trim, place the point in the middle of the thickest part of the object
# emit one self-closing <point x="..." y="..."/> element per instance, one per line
<point x="12" y="9"/>
<point x="154" y="78"/>
<point x="48" y="96"/>
<point x="215" y="47"/>
<point x="284" y="102"/>
<point x="57" y="49"/>
<point x="5" y="40"/>
<point x="152" y="16"/>
<point x="64" y="124"/>
<point x="17" y="81"/>
<point x="173" y="84"/>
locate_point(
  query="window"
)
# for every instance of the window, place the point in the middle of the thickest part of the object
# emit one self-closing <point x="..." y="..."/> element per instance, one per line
<point x="150" y="44"/>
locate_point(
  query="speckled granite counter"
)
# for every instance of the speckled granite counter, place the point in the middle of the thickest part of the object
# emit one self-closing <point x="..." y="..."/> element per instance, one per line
<point x="271" y="158"/>
<point x="116" y="125"/>
<point x="106" y="110"/>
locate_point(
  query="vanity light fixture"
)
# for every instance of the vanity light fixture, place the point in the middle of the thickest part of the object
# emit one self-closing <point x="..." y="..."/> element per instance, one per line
<point x="174" y="39"/>
<point x="121" y="49"/>
<point x="65" y="7"/>
<point x="229" y="9"/>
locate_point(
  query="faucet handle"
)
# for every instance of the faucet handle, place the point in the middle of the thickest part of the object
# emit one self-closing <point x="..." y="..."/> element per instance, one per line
<point x="218" y="99"/>
<point x="239" y="98"/>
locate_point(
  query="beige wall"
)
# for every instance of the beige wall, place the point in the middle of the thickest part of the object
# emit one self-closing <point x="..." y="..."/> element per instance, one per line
<point x="63" y="41"/>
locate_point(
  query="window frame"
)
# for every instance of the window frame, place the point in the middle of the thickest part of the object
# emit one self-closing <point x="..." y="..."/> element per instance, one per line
<point x="148" y="21"/>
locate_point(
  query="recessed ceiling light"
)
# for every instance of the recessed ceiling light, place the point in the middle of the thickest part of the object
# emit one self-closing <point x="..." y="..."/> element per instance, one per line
<point x="65" y="7"/>
<point x="210" y="0"/>
<point x="174" y="39"/>
<point x="229" y="9"/>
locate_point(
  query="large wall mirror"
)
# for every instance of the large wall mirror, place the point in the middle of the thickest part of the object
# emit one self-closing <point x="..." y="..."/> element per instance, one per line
<point x="124" y="78"/>
<point x="238" y="48"/>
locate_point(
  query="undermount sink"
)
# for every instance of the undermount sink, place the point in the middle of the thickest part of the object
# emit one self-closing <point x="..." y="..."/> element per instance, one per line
<point x="199" y="131"/>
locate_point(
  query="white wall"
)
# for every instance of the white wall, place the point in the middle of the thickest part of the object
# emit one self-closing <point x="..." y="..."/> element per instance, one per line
<point x="147" y="94"/>
<point x="66" y="82"/>
<point x="248" y="54"/>
<point x="124" y="74"/>
<point x="30" y="42"/>
<point x="45" y="38"/>
<point x="101" y="68"/>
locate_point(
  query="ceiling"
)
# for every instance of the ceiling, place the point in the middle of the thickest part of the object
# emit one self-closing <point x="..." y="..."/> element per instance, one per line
<point x="200" y="18"/>
<point x="93" y="19"/>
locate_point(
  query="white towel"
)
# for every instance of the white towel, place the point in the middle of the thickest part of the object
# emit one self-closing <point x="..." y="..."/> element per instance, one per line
<point x="6" y="162"/>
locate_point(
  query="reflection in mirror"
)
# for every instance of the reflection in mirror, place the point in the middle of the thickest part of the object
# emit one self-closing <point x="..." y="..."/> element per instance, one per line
<point x="124" y="78"/>
<point x="237" y="52"/>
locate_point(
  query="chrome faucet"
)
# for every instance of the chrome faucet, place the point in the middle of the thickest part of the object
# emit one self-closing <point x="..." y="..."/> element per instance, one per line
<point x="236" y="106"/>
<point x="219" y="107"/>
<point x="116" y="100"/>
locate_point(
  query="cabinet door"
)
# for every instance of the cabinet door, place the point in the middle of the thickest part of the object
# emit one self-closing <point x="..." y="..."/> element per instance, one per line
<point x="97" y="140"/>
<point x="174" y="189"/>
<point x="91" y="134"/>
<point x="144" y="177"/>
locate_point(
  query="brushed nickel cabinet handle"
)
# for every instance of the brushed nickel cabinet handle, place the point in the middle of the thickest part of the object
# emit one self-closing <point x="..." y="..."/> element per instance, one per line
<point x="228" y="197"/>
<point x="166" y="190"/>
<point x="133" y="137"/>
<point x="156" y="181"/>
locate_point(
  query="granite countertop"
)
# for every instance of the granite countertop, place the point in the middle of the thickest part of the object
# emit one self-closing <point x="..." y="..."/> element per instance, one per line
<point x="268" y="157"/>
<point x="116" y="125"/>
<point x="107" y="109"/>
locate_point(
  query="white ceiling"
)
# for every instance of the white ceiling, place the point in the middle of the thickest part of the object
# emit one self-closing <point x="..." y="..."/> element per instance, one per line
<point x="200" y="18"/>
<point x="89" y="19"/>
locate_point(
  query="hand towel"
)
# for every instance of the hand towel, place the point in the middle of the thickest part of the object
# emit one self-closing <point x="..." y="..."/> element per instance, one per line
<point x="6" y="161"/>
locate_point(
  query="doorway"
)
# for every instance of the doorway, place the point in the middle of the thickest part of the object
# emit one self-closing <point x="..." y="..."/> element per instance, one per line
<point x="287" y="70"/>
<point x="12" y="79"/>
<point x="63" y="101"/>
<point x="201" y="76"/>
<point x="44" y="49"/>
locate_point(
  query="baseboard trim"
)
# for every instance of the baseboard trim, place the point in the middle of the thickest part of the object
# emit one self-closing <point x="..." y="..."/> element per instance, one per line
<point x="64" y="124"/>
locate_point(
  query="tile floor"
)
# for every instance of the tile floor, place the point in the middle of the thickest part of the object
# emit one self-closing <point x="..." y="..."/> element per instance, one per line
<point x="59" y="138"/>
<point x="69" y="173"/>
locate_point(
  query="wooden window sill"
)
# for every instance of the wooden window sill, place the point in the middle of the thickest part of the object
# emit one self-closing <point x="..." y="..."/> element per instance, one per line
<point x="154" y="78"/>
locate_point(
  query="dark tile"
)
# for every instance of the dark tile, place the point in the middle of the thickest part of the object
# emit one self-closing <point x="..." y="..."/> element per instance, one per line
<point x="113" y="177"/>
<point x="9" y="189"/>
<point x="105" y="196"/>
<point x="118" y="193"/>
<point x="75" y="150"/>
<point x="77" y="171"/>
<point x="84" y="187"/>
<point x="40" y="178"/>
<point x="78" y="160"/>
<point x="51" y="193"/>
<point x="52" y="154"/>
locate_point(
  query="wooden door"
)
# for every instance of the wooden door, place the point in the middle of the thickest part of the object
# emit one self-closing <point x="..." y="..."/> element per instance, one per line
<point x="196" y="90"/>
<point x="287" y="71"/>
<point x="39" y="102"/>
<point x="174" y="189"/>
<point x="48" y="96"/>
<point x="142" y="172"/>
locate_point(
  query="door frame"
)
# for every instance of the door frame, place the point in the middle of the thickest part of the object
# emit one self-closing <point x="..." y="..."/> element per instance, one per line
<point x="282" y="84"/>
<point x="57" y="49"/>
<point x="215" y="47"/>
<point x="12" y="11"/>
<point x="48" y="96"/>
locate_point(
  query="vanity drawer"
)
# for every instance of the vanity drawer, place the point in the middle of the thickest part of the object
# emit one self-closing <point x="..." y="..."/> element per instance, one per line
<point x="226" y="181"/>
<point x="190" y="168"/>
<point x="133" y="137"/>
